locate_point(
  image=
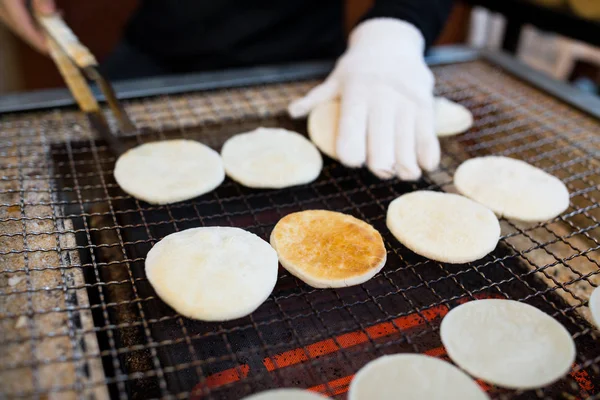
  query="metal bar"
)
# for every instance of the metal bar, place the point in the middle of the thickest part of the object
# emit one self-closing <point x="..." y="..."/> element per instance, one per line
<point x="125" y="124"/>
<point x="137" y="88"/>
<point x="571" y="95"/>
<point x="98" y="123"/>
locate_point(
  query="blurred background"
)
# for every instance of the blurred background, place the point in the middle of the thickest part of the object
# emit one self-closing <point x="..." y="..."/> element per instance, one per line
<point x="558" y="37"/>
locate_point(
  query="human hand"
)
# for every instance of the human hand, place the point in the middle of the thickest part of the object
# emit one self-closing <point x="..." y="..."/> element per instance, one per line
<point x="17" y="18"/>
<point x="386" y="92"/>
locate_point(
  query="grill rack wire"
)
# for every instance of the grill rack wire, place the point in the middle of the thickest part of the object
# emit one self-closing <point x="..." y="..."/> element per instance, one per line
<point x="79" y="319"/>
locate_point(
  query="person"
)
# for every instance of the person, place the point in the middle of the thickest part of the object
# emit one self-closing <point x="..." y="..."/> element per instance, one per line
<point x="381" y="78"/>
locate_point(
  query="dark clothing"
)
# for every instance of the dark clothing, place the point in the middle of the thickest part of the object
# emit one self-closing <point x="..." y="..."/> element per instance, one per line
<point x="127" y="62"/>
<point x="428" y="15"/>
<point x="212" y="34"/>
<point x="177" y="36"/>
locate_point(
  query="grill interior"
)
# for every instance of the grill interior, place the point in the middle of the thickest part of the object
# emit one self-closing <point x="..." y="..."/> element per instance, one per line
<point x="78" y="317"/>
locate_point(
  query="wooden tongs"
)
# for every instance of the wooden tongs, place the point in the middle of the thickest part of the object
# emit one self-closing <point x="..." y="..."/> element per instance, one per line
<point x="75" y="62"/>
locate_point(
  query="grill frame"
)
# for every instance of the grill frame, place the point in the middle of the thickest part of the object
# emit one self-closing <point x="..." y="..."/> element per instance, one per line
<point x="91" y="220"/>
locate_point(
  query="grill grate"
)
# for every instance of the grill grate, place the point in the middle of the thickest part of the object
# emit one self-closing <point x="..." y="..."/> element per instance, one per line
<point x="79" y="318"/>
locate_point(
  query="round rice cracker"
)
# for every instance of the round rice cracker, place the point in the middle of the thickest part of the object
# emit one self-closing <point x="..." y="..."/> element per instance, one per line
<point x="286" y="394"/>
<point x="322" y="127"/>
<point x="443" y="227"/>
<point x="507" y="343"/>
<point x="512" y="188"/>
<point x="169" y="171"/>
<point x="594" y="305"/>
<point x="413" y="377"/>
<point x="327" y="249"/>
<point x="212" y="273"/>
<point x="271" y="158"/>
<point x="450" y="119"/>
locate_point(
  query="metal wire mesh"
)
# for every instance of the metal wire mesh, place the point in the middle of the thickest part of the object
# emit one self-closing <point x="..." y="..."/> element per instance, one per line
<point x="79" y="319"/>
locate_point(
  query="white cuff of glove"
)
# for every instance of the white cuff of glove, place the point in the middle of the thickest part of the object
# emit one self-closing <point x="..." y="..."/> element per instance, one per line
<point x="386" y="93"/>
<point x="384" y="32"/>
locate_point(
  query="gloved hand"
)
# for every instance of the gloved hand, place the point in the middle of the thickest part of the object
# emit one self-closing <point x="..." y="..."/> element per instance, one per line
<point x="386" y="92"/>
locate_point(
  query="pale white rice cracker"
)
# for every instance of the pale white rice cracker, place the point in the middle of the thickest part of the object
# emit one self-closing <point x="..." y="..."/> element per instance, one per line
<point x="594" y="305"/>
<point x="413" y="377"/>
<point x="285" y="394"/>
<point x="271" y="158"/>
<point x="322" y="127"/>
<point x="451" y="118"/>
<point x="443" y="226"/>
<point x="512" y="188"/>
<point x="507" y="343"/>
<point x="212" y="273"/>
<point x="169" y="171"/>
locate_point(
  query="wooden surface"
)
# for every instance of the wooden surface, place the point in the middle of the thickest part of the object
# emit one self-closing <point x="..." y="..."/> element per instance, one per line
<point x="457" y="27"/>
<point x="73" y="78"/>
<point x="56" y="28"/>
<point x="99" y="25"/>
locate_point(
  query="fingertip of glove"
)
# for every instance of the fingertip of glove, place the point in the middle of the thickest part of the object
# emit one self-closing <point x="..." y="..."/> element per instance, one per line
<point x="429" y="155"/>
<point x="407" y="174"/>
<point x="297" y="109"/>
<point x="351" y="154"/>
<point x="429" y="167"/>
<point x="350" y="159"/>
<point x="353" y="163"/>
<point x="382" y="173"/>
<point x="430" y="161"/>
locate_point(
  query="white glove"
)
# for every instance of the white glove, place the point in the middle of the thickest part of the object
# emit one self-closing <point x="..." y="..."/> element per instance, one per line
<point x="386" y="92"/>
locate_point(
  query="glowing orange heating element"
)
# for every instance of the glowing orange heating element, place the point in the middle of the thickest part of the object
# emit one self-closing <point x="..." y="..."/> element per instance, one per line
<point x="346" y="340"/>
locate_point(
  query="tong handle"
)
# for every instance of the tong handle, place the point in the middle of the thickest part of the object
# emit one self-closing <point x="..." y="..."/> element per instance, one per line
<point x="60" y="32"/>
<point x="83" y="94"/>
<point x="75" y="80"/>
